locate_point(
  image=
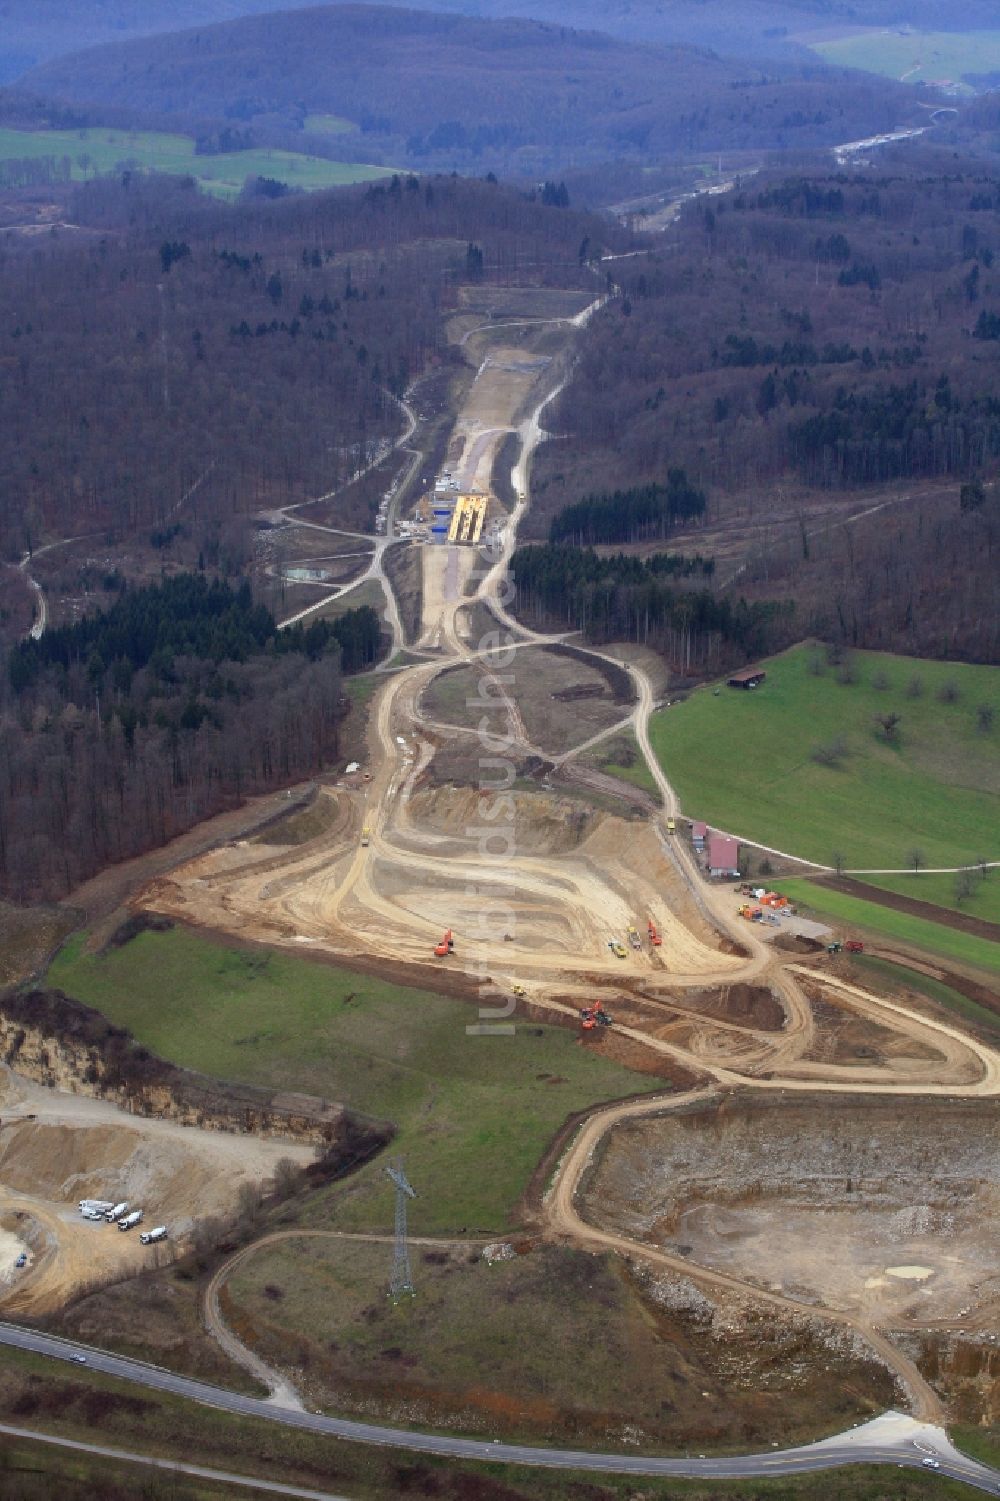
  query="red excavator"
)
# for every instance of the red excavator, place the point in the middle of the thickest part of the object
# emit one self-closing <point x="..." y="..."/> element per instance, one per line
<point x="654" y="936"/>
<point x="446" y="946"/>
<point x="594" y="1016"/>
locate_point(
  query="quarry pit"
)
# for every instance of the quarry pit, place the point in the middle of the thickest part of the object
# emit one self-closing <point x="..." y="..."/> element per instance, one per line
<point x="866" y="1205"/>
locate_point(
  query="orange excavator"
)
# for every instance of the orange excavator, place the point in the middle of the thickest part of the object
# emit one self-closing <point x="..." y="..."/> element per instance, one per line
<point x="654" y="936"/>
<point x="446" y="946"/>
<point x="594" y="1016"/>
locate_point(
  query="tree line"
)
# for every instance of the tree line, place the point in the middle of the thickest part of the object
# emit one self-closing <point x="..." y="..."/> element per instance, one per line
<point x="635" y="515"/>
<point x="627" y="598"/>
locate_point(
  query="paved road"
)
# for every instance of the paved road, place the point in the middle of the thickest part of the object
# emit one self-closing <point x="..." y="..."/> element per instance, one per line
<point x="892" y="1439"/>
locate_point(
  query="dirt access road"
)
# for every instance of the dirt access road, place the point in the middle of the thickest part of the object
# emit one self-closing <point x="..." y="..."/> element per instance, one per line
<point x="560" y="902"/>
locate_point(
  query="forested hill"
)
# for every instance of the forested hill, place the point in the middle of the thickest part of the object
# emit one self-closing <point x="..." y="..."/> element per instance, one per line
<point x="250" y="355"/>
<point x="129" y="727"/>
<point x="805" y="344"/>
<point x="746" y="28"/>
<point x="453" y="90"/>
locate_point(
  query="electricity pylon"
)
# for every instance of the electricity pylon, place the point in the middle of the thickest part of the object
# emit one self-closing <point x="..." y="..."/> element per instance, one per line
<point x="401" y="1280"/>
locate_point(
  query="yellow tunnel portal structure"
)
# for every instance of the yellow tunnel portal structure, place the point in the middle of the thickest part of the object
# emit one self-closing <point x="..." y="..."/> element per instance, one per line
<point x="467" y="518"/>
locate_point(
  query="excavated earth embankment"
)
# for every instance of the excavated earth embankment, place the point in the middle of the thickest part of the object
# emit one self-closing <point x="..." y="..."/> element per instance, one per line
<point x="866" y="1205"/>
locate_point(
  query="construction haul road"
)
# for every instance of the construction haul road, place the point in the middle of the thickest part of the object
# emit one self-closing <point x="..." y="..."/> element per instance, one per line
<point x="551" y="912"/>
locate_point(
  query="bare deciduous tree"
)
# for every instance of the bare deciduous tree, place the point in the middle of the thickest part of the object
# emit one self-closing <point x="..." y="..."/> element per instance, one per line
<point x="287" y="1178"/>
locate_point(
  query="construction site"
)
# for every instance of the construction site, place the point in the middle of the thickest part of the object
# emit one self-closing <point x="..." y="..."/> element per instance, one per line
<point x="818" y="1151"/>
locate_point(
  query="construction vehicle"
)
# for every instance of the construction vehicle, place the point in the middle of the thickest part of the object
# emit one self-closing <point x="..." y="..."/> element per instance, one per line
<point x="150" y="1237"/>
<point x="752" y="914"/>
<point x="854" y="946"/>
<point x="594" y="1016"/>
<point x="366" y="835"/>
<point x="834" y="948"/>
<point x="518" y="990"/>
<point x="131" y="1220"/>
<point x="633" y="936"/>
<point x="671" y="826"/>
<point x="446" y="946"/>
<point x="97" y="1206"/>
<point x="617" y="948"/>
<point x="116" y="1211"/>
<point x="654" y="936"/>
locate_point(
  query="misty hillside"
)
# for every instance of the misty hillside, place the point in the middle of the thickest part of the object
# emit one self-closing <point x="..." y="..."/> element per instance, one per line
<point x="34" y="31"/>
<point x="452" y="91"/>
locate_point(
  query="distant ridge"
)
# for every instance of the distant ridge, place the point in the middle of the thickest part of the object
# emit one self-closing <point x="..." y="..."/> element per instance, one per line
<point x="34" y="33"/>
<point x="452" y="90"/>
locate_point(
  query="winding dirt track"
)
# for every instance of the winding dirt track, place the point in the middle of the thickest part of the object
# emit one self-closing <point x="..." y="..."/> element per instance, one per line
<point x="564" y="1219"/>
<point x="393" y="896"/>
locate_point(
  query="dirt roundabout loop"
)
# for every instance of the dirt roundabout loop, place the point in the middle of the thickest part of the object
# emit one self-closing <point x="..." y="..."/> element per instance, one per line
<point x="494" y="862"/>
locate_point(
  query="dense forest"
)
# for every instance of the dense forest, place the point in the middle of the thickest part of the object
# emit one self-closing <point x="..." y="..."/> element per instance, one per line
<point x="795" y="345"/>
<point x="172" y="365"/>
<point x="637" y="515"/>
<point x="625" y="598"/>
<point x="249" y="355"/>
<point x="131" y="726"/>
<point x="746" y="28"/>
<point x="445" y="91"/>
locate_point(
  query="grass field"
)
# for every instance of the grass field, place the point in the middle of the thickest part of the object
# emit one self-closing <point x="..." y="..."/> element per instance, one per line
<point x="981" y="1443"/>
<point x="619" y="757"/>
<point x="532" y="1347"/>
<point x="743" y="761"/>
<point x="984" y="901"/>
<point x="77" y="1403"/>
<point x="953" y="1000"/>
<point x="102" y="150"/>
<point x="926" y="56"/>
<point x="850" y="911"/>
<point x="328" y="125"/>
<point x="354" y="597"/>
<point x="474" y="1112"/>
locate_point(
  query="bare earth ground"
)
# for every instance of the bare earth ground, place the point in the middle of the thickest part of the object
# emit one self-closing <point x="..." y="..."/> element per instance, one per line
<point x="58" y="1148"/>
<point x="715" y="1003"/>
<point x="853" y="1208"/>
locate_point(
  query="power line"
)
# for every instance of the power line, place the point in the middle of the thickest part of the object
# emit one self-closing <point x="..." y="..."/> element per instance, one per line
<point x="401" y="1278"/>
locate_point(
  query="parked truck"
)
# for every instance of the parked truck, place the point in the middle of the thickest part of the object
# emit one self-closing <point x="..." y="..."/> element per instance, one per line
<point x="117" y="1211"/>
<point x="97" y="1206"/>
<point x="150" y="1237"/>
<point x="131" y="1220"/>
